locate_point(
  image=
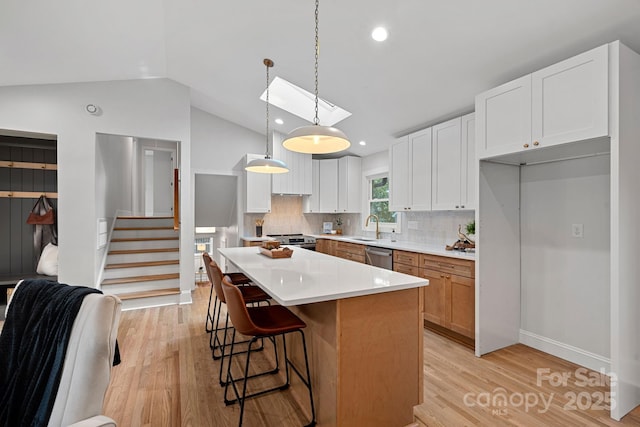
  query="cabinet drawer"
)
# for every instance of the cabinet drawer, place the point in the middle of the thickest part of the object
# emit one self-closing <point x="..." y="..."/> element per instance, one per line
<point x="406" y="269"/>
<point x="460" y="267"/>
<point x="406" y="258"/>
<point x="350" y="256"/>
<point x="352" y="248"/>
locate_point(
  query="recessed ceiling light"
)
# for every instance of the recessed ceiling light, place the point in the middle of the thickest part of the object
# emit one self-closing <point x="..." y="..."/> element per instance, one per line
<point x="379" y="34"/>
<point x="363" y="143"/>
<point x="279" y="121"/>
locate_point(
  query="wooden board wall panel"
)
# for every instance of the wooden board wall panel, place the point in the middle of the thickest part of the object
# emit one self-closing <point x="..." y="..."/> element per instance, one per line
<point x="16" y="236"/>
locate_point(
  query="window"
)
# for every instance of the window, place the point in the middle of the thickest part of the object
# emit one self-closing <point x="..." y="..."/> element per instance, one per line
<point x="378" y="204"/>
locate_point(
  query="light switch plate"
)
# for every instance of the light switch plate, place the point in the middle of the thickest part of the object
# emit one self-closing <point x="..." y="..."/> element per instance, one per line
<point x="577" y="230"/>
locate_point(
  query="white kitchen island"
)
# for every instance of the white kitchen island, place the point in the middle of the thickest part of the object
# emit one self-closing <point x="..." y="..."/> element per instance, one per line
<point x="364" y="333"/>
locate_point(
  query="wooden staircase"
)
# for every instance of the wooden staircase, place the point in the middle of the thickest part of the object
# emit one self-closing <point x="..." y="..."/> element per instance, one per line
<point x="143" y="262"/>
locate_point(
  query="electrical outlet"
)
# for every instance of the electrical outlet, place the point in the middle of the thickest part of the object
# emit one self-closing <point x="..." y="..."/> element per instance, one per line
<point x="577" y="230"/>
<point x="413" y="225"/>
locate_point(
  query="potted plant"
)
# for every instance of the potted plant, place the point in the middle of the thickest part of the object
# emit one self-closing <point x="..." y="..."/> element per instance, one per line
<point x="339" y="225"/>
<point x="470" y="228"/>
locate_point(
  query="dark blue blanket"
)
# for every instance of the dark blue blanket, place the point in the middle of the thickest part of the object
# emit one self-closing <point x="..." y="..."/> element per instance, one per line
<point x="33" y="345"/>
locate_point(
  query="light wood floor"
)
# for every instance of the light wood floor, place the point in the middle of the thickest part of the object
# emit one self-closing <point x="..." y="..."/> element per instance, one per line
<point x="167" y="378"/>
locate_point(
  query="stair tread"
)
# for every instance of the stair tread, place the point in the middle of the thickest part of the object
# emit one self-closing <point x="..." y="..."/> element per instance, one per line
<point x="142" y="251"/>
<point x="144" y="217"/>
<point x="142" y="228"/>
<point x="143" y="239"/>
<point x="137" y="279"/>
<point x="142" y="264"/>
<point x="148" y="294"/>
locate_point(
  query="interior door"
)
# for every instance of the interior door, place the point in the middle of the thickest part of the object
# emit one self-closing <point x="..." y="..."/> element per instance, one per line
<point x="158" y="183"/>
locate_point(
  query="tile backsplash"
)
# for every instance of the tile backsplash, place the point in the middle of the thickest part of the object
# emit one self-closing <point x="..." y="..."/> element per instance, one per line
<point x="435" y="227"/>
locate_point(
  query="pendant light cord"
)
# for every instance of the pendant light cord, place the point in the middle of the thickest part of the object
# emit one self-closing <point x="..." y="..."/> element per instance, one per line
<point x="316" y="121"/>
<point x="268" y="63"/>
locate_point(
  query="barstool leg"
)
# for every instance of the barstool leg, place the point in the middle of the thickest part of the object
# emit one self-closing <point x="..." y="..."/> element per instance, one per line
<point x="306" y="362"/>
<point x="209" y="320"/>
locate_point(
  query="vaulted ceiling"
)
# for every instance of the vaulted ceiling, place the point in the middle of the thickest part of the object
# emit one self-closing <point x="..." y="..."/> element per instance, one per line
<point x="439" y="54"/>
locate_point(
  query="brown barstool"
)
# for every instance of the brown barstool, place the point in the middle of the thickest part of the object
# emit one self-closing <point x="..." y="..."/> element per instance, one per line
<point x="236" y="278"/>
<point x="251" y="294"/>
<point x="258" y="323"/>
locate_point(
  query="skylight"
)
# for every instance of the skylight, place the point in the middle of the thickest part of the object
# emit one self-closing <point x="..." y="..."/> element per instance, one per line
<point x="295" y="100"/>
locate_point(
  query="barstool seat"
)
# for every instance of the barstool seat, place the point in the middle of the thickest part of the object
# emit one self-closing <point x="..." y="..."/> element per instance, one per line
<point x="259" y="323"/>
<point x="236" y="278"/>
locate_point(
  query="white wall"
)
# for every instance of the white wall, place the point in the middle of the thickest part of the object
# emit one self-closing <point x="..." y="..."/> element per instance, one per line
<point x="565" y="279"/>
<point x="219" y="147"/>
<point x="153" y="108"/>
<point x="114" y="165"/>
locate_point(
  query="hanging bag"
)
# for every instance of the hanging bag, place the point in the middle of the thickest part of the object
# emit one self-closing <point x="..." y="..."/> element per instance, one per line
<point x="42" y="212"/>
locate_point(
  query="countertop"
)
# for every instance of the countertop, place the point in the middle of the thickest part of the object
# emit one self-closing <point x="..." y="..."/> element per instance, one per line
<point x="404" y="246"/>
<point x="258" y="239"/>
<point x="309" y="276"/>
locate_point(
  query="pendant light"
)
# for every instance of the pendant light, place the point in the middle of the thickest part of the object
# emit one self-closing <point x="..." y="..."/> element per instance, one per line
<point x="316" y="139"/>
<point x="267" y="165"/>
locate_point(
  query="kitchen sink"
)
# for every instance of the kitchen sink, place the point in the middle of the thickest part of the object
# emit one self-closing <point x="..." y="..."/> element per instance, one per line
<point x="364" y="239"/>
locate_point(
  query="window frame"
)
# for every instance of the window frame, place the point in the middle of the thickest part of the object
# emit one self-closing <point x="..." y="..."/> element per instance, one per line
<point x="383" y="227"/>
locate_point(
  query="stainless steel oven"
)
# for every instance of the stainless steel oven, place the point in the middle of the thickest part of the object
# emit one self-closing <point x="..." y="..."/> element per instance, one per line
<point x="297" y="239"/>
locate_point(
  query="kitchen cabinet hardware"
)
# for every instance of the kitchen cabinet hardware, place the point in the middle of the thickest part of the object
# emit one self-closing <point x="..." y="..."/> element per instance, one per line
<point x="539" y="103"/>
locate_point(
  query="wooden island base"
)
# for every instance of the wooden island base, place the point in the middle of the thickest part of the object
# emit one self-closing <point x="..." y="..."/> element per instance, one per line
<point x="366" y="358"/>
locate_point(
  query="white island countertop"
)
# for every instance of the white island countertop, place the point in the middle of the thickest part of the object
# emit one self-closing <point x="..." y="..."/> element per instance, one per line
<point x="309" y="277"/>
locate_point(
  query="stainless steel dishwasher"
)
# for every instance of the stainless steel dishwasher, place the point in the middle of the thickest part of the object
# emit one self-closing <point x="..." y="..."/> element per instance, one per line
<point x="379" y="257"/>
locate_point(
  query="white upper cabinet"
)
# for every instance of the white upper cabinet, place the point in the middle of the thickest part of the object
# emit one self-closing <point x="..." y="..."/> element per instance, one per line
<point x="447" y="165"/>
<point x="349" y="184"/>
<point x="570" y="100"/>
<point x="298" y="180"/>
<point x="328" y="186"/>
<point x="563" y="103"/>
<point x="311" y="203"/>
<point x="469" y="163"/>
<point x="410" y="172"/>
<point x="257" y="189"/>
<point x="504" y="118"/>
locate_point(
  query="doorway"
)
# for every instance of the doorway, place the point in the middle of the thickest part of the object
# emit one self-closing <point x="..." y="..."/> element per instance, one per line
<point x="158" y="167"/>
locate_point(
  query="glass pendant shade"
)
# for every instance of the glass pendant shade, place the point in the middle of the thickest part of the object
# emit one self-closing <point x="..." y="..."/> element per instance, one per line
<point x="316" y="139"/>
<point x="267" y="165"/>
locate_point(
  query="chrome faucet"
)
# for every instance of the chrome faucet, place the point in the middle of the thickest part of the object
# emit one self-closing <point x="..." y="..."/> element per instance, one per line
<point x="366" y="224"/>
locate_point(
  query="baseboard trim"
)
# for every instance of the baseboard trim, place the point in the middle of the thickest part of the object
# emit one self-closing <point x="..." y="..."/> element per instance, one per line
<point x="565" y="351"/>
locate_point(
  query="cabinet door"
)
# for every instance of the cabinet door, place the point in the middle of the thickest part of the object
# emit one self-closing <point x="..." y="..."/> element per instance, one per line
<point x="349" y="184"/>
<point x="257" y="189"/>
<point x="298" y="179"/>
<point x="434" y="297"/>
<point x="460" y="297"/>
<point x="329" y="186"/>
<point x="469" y="164"/>
<point x="322" y="246"/>
<point x="570" y="99"/>
<point x="503" y="118"/>
<point x="420" y="171"/>
<point x="446" y="152"/>
<point x="311" y="203"/>
<point x="399" y="175"/>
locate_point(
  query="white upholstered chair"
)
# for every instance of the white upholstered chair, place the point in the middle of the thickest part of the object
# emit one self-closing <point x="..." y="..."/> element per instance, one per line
<point x="87" y="365"/>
